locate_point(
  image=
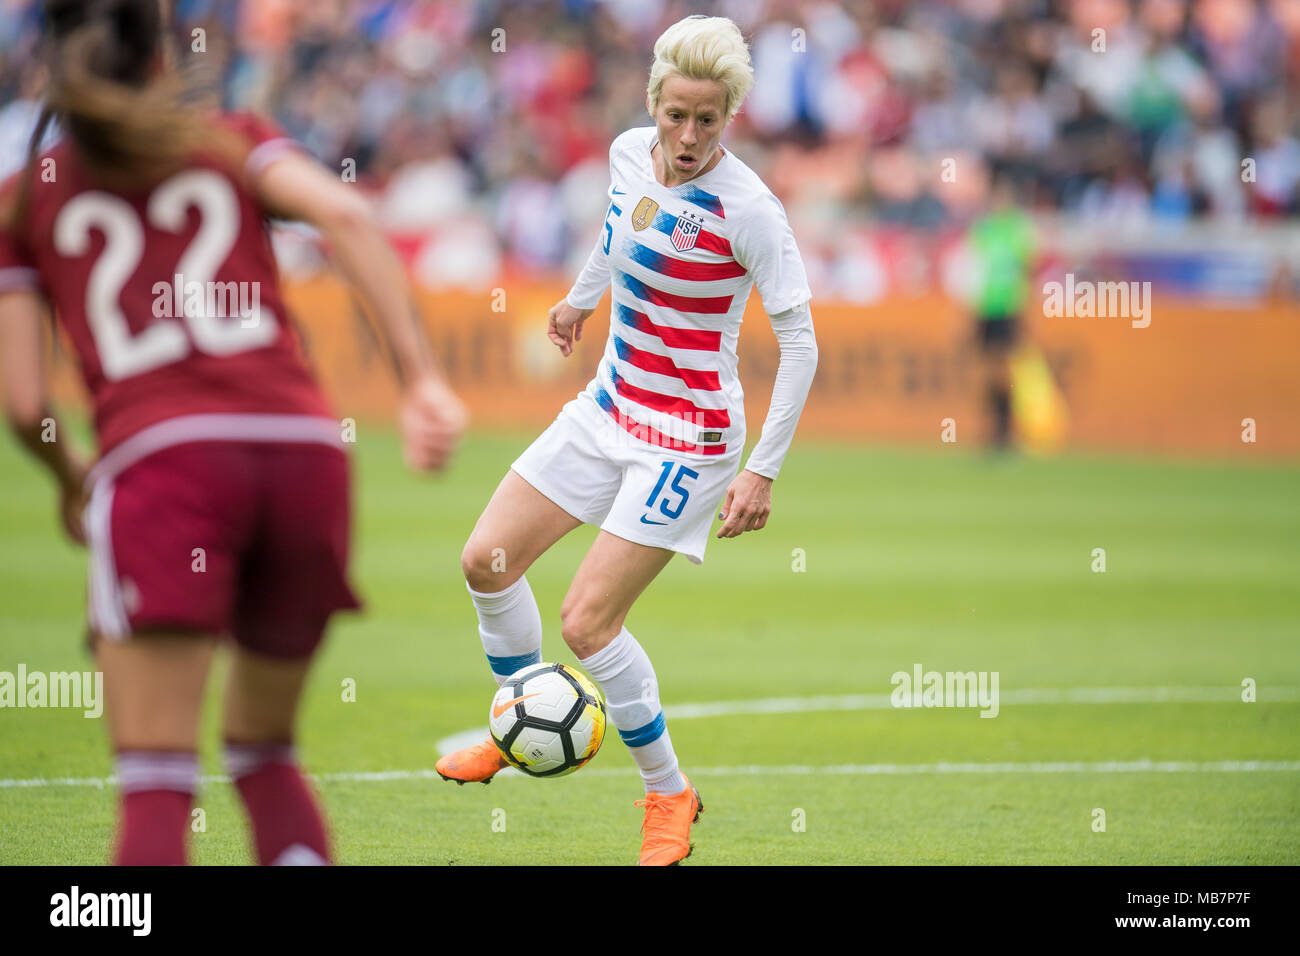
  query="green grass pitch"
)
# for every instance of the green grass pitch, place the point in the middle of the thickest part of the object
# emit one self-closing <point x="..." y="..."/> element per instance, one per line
<point x="947" y="559"/>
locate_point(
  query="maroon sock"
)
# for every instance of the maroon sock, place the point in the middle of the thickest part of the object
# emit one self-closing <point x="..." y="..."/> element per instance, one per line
<point x="157" y="789"/>
<point x="287" y="826"/>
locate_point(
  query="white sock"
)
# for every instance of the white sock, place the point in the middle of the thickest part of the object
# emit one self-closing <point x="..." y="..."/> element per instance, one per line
<point x="627" y="678"/>
<point x="511" y="628"/>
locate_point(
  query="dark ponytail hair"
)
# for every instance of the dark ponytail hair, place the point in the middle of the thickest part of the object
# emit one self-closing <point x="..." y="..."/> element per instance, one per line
<point x="119" y="101"/>
<point x="121" y="108"/>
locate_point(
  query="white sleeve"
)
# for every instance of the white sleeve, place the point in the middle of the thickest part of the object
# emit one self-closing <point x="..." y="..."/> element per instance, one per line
<point x="798" y="342"/>
<point x="767" y="250"/>
<point x="589" y="288"/>
<point x="765" y="246"/>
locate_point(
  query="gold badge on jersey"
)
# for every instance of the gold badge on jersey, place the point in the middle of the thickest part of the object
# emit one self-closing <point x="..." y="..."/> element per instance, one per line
<point x="644" y="214"/>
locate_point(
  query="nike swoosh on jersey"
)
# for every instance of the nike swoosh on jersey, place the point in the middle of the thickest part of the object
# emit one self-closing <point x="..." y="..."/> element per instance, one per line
<point x="645" y="520"/>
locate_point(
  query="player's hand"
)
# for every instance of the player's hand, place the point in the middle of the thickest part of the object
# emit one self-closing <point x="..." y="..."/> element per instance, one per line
<point x="749" y="502"/>
<point x="564" y="325"/>
<point x="72" y="500"/>
<point x="431" y="419"/>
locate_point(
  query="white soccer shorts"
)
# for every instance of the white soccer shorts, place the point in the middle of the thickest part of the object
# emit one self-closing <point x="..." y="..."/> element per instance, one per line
<point x="643" y="493"/>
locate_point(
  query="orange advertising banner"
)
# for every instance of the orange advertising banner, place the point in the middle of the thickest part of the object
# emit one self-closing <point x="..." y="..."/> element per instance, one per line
<point x="1196" y="380"/>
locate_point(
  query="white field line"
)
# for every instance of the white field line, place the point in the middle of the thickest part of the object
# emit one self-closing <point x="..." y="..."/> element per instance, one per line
<point x="1047" y="695"/>
<point x="801" y="705"/>
<point x="758" y="770"/>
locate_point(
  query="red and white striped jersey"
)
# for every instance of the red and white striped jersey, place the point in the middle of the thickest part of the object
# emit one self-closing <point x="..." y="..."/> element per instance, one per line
<point x="681" y="262"/>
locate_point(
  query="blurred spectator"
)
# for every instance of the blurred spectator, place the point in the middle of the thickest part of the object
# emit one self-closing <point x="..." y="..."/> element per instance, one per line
<point x="1276" y="153"/>
<point x="490" y="120"/>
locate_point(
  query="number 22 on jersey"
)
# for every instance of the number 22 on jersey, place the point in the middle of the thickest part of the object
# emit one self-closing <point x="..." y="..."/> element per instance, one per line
<point x="123" y="353"/>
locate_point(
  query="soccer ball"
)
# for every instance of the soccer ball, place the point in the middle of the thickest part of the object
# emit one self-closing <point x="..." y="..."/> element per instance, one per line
<point x="547" y="720"/>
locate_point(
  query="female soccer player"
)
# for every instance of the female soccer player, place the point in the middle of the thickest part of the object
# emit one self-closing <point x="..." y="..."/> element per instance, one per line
<point x="220" y="501"/>
<point x="649" y="448"/>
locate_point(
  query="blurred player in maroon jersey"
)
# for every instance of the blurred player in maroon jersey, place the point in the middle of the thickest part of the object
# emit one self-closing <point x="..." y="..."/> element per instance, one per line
<point x="220" y="501"/>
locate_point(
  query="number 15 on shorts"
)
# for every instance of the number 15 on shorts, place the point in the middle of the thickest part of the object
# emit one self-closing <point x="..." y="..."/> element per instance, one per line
<point x="673" y="500"/>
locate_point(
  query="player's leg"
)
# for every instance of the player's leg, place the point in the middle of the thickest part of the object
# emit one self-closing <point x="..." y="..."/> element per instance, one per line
<point x="153" y="689"/>
<point x="292" y="578"/>
<point x="996" y="342"/>
<point x="261" y="708"/>
<point x="518" y="525"/>
<point x="160" y="536"/>
<point x="564" y="478"/>
<point x="612" y="576"/>
<point x="663" y="506"/>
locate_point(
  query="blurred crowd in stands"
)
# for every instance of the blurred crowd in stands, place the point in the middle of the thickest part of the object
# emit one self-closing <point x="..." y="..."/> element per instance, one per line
<point x="486" y="124"/>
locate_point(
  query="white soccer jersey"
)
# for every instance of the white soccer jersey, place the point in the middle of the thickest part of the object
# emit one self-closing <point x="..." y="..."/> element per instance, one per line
<point x="681" y="262"/>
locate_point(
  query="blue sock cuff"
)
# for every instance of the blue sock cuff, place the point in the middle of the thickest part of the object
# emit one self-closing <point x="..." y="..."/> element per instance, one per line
<point x="505" y="666"/>
<point x="646" y="734"/>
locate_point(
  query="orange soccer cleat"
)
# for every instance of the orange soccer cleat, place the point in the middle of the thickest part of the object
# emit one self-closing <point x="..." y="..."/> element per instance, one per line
<point x="477" y="764"/>
<point x="667" y="826"/>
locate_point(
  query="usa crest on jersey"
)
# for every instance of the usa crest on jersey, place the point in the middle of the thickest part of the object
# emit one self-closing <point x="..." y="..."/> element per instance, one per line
<point x="686" y="231"/>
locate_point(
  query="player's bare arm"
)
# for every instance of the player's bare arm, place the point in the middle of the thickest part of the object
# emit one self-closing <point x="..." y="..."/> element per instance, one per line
<point x="431" y="416"/>
<point x="27" y="408"/>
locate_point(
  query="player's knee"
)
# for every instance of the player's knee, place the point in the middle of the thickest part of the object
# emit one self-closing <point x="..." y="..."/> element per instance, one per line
<point x="488" y="569"/>
<point x="257" y="719"/>
<point x="157" y="733"/>
<point x="585" y="627"/>
<point x="476" y="565"/>
<point x="250" y="729"/>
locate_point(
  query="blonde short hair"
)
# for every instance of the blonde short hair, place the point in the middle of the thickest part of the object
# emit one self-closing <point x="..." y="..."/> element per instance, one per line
<point x="703" y="48"/>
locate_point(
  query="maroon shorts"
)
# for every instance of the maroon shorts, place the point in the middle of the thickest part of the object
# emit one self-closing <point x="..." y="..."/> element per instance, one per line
<point x="245" y="539"/>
